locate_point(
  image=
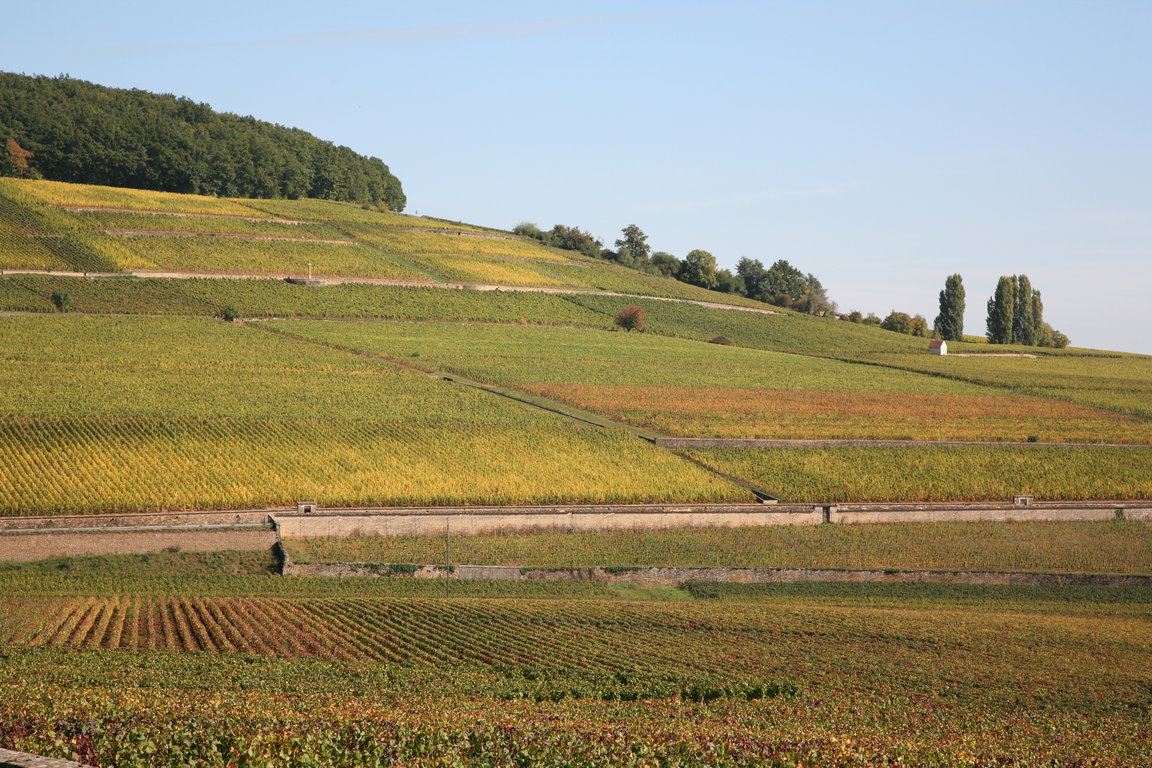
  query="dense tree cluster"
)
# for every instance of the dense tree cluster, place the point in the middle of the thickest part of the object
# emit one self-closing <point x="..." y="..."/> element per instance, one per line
<point x="1016" y="316"/>
<point x="783" y="284"/>
<point x="70" y="130"/>
<point x="901" y="322"/>
<point x="560" y="236"/>
<point x="780" y="284"/>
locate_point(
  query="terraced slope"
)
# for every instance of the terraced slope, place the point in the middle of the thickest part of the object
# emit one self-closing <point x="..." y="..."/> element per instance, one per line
<point x="71" y="227"/>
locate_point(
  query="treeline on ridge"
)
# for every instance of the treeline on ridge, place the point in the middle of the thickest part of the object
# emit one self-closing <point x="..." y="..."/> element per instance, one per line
<point x="64" y="129"/>
<point x="781" y="284"/>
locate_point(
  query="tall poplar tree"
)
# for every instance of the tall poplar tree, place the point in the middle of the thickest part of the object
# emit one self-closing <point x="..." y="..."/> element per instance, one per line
<point x="1040" y="329"/>
<point x="1024" y="326"/>
<point x="949" y="323"/>
<point x="1001" y="309"/>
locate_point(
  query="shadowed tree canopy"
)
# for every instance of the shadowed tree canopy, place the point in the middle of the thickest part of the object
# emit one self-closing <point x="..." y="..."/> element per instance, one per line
<point x="665" y="263"/>
<point x="699" y="268"/>
<point x="88" y="134"/>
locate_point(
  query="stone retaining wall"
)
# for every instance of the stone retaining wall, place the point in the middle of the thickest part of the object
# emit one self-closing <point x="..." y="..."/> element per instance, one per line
<point x="12" y="759"/>
<point x="460" y="521"/>
<point x="944" y="513"/>
<point x="468" y="521"/>
<point x="143" y="520"/>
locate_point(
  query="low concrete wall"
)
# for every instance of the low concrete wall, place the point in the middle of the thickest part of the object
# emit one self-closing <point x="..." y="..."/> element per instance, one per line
<point x="998" y="513"/>
<point x="468" y="521"/>
<point x="737" y="442"/>
<point x="431" y="522"/>
<point x="671" y="576"/>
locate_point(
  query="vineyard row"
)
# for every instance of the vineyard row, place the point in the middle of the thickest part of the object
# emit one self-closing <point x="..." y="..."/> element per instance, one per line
<point x="384" y="630"/>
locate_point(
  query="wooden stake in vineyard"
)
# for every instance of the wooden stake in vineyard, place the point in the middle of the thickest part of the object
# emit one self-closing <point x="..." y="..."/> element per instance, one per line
<point x="447" y="555"/>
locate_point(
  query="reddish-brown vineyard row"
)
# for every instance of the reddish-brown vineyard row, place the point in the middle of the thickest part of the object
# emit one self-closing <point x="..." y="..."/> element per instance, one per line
<point x="402" y="631"/>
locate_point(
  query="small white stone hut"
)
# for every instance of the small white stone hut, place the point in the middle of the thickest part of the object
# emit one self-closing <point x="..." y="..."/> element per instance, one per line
<point x="937" y="347"/>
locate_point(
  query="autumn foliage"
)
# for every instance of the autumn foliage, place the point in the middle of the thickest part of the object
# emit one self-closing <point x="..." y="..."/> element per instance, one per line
<point x="631" y="318"/>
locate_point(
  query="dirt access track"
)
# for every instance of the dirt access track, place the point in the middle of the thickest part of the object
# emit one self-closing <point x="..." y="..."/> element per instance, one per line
<point x="39" y="538"/>
<point x="337" y="280"/>
<point x="15" y="547"/>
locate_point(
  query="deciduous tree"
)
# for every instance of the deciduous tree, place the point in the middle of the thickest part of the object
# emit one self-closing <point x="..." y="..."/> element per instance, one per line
<point x="633" y="242"/>
<point x="631" y="318"/>
<point x="666" y="264"/>
<point x="18" y="161"/>
<point x="898" y="322"/>
<point x="919" y="326"/>
<point x="699" y="268"/>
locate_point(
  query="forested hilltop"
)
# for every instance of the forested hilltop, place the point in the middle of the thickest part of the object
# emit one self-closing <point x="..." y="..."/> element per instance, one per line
<point x="65" y="129"/>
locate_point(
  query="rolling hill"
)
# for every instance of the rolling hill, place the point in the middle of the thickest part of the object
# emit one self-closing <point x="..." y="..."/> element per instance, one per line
<point x="435" y="362"/>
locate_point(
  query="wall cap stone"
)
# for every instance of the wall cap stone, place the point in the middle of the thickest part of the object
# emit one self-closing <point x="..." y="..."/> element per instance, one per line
<point x="12" y="759"/>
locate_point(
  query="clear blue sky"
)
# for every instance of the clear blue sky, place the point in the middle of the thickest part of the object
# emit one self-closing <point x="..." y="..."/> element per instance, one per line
<point x="879" y="144"/>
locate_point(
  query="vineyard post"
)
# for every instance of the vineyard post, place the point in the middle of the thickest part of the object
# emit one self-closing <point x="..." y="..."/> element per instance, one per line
<point x="447" y="556"/>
